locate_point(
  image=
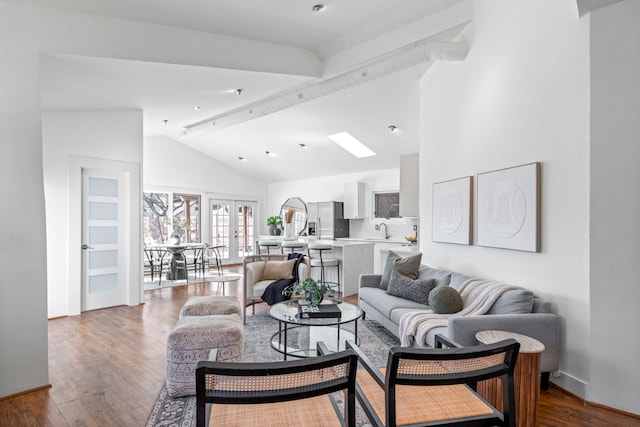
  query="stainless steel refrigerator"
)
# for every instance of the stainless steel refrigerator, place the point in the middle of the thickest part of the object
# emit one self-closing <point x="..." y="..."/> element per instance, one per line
<point x="326" y="220"/>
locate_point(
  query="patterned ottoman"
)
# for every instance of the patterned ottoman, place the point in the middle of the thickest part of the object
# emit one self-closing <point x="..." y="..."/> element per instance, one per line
<point x="207" y="305"/>
<point x="192" y="339"/>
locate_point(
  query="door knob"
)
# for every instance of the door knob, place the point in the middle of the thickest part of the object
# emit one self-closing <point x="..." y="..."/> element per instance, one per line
<point x="85" y="247"/>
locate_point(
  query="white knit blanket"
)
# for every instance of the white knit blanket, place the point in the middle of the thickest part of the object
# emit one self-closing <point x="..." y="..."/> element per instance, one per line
<point x="477" y="297"/>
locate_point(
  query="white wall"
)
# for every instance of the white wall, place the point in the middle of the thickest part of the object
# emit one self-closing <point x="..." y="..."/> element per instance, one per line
<point x="170" y="163"/>
<point x="23" y="263"/>
<point x="112" y="135"/>
<point x="615" y="203"/>
<point x="331" y="188"/>
<point x="521" y="95"/>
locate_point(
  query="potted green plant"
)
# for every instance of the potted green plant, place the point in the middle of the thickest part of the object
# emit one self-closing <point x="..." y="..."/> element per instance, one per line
<point x="274" y="223"/>
<point x="313" y="291"/>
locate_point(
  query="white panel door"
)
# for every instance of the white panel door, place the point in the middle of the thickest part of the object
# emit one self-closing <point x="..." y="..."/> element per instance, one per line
<point x="104" y="208"/>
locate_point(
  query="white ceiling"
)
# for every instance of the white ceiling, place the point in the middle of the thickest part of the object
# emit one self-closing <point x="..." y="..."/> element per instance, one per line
<point x="168" y="91"/>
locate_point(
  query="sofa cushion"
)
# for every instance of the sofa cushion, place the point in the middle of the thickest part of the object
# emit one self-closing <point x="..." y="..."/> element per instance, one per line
<point x="414" y="290"/>
<point x="457" y="279"/>
<point x="407" y="266"/>
<point x="274" y="270"/>
<point x="445" y="300"/>
<point x="514" y="301"/>
<point x="385" y="303"/>
<point x="442" y="277"/>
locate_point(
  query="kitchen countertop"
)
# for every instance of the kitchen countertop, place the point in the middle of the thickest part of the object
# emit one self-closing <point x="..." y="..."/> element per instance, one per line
<point x="393" y="240"/>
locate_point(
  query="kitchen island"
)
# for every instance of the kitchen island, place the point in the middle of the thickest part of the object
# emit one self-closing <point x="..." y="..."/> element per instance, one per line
<point x="355" y="257"/>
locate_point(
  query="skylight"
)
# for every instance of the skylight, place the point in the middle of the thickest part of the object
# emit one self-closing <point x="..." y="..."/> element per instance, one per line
<point x="352" y="145"/>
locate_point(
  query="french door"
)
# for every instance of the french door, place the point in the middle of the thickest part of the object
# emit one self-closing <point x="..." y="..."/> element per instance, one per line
<point x="232" y="226"/>
<point x="104" y="208"/>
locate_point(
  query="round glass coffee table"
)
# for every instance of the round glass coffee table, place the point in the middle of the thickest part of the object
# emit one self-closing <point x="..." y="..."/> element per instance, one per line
<point x="298" y="337"/>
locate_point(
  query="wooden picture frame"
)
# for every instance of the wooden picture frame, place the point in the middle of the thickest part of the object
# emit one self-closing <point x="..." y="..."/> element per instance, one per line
<point x="509" y="208"/>
<point x="452" y="207"/>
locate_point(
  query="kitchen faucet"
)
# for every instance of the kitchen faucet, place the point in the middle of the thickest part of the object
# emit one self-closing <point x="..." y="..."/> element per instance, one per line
<point x="386" y="230"/>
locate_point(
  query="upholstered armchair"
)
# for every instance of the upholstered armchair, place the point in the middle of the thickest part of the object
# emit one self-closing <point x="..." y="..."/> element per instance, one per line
<point x="262" y="270"/>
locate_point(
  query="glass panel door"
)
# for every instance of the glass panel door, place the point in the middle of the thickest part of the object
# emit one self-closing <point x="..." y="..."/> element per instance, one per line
<point x="221" y="226"/>
<point x="232" y="227"/>
<point x="103" y="279"/>
<point x="245" y="231"/>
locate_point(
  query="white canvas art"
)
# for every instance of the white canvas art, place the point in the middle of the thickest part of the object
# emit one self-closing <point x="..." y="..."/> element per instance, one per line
<point x="452" y="207"/>
<point x="509" y="208"/>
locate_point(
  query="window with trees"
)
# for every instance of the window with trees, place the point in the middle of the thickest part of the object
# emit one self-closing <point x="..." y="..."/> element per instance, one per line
<point x="162" y="212"/>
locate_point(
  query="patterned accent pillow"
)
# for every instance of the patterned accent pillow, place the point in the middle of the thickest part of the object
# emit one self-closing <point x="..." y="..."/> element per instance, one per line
<point x="414" y="290"/>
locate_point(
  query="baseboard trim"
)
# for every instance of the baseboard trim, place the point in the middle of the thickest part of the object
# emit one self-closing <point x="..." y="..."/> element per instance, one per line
<point x="611" y="409"/>
<point x="570" y="384"/>
<point x="595" y="404"/>
<point x="11" y="396"/>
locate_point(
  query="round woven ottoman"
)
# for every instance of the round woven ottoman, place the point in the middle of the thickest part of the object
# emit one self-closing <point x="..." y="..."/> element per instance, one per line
<point x="192" y="339"/>
<point x="208" y="305"/>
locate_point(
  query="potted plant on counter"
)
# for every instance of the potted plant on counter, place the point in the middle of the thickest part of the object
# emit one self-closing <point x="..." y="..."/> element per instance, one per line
<point x="274" y="223"/>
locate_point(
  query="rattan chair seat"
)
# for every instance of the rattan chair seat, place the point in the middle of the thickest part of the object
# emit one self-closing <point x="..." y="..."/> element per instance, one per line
<point x="316" y="411"/>
<point x="418" y="405"/>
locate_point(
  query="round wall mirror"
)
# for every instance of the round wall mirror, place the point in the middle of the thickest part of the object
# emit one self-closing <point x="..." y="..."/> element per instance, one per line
<point x="294" y="217"/>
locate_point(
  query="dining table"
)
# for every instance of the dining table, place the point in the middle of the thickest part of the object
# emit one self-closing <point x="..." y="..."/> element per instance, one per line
<point x="178" y="256"/>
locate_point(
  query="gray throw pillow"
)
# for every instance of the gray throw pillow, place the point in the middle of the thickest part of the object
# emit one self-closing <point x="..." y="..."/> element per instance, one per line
<point x="408" y="266"/>
<point x="414" y="290"/>
<point x="445" y="300"/>
<point x="514" y="301"/>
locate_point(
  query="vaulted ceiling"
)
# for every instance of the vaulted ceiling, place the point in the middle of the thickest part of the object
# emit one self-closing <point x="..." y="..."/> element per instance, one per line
<point x="343" y="36"/>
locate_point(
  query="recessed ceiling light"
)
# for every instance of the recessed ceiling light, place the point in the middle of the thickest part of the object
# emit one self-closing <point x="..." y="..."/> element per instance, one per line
<point x="393" y="128"/>
<point x="352" y="145"/>
<point x="239" y="91"/>
<point x="302" y="145"/>
<point x="164" y="122"/>
<point x="197" y="107"/>
<point x="241" y="158"/>
<point x="317" y="7"/>
<point x="267" y="153"/>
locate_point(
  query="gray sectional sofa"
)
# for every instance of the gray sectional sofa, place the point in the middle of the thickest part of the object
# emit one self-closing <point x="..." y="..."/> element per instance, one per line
<point x="516" y="310"/>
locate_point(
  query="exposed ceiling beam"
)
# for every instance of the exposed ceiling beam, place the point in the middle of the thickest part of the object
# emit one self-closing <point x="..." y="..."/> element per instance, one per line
<point x="418" y="53"/>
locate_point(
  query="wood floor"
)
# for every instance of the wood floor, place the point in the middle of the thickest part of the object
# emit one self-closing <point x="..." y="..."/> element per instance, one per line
<point x="107" y="366"/>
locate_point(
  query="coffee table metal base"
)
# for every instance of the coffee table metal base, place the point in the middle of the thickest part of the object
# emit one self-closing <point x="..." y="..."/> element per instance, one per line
<point x="301" y="341"/>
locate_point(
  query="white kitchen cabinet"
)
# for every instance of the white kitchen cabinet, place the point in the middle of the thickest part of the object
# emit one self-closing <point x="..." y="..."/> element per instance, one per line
<point x="354" y="200"/>
<point x="409" y="183"/>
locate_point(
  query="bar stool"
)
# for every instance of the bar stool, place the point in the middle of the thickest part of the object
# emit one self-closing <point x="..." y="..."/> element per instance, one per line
<point x="267" y="245"/>
<point x="323" y="262"/>
<point x="293" y="246"/>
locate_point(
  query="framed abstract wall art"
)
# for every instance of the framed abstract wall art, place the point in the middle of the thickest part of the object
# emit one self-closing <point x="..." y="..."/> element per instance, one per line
<point x="509" y="208"/>
<point x="452" y="207"/>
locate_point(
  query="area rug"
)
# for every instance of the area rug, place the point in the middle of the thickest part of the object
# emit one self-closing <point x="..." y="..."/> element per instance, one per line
<point x="375" y="341"/>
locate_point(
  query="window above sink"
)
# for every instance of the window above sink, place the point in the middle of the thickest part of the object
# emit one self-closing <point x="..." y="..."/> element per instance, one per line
<point x="386" y="204"/>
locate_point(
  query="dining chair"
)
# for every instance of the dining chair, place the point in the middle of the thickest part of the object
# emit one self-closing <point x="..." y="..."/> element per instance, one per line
<point x="155" y="262"/>
<point x="283" y="393"/>
<point x="211" y="256"/>
<point x="437" y="386"/>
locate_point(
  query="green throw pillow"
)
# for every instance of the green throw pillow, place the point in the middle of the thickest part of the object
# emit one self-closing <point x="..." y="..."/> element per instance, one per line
<point x="445" y="300"/>
<point x="408" y="266"/>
